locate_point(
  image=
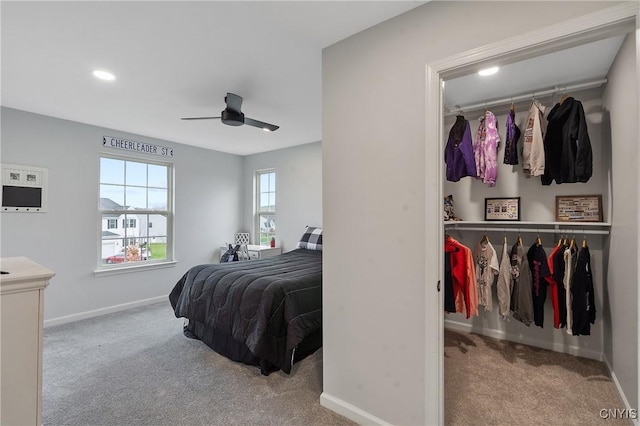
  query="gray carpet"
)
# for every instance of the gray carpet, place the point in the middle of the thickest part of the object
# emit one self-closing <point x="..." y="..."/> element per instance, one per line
<point x="137" y="368"/>
<point x="497" y="382"/>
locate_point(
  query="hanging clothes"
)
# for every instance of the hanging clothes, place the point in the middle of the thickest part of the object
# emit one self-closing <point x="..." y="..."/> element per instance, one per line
<point x="570" y="258"/>
<point x="449" y="295"/>
<point x="521" y="300"/>
<point x="583" y="303"/>
<point x="511" y="144"/>
<point x="463" y="277"/>
<point x="567" y="146"/>
<point x="558" y="271"/>
<point x="533" y="156"/>
<point x="485" y="149"/>
<point x="487" y="267"/>
<point x="458" y="153"/>
<point x="540" y="277"/>
<point x="553" y="287"/>
<point x="503" y="286"/>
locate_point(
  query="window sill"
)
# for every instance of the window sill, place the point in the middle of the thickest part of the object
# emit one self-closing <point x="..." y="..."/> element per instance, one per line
<point x="133" y="268"/>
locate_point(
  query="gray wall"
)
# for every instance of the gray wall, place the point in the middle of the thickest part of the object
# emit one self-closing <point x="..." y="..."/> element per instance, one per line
<point x="208" y="188"/>
<point x="621" y="292"/>
<point x="378" y="176"/>
<point x="298" y="190"/>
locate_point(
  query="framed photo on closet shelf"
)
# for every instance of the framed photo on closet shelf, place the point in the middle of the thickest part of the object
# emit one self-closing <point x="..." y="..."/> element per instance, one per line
<point x="502" y="208"/>
<point x="578" y="208"/>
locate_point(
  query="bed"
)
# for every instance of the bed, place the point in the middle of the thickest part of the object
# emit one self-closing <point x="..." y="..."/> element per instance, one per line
<point x="265" y="312"/>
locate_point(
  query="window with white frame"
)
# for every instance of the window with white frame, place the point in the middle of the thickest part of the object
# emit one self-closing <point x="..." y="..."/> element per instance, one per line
<point x="135" y="193"/>
<point x="265" y="212"/>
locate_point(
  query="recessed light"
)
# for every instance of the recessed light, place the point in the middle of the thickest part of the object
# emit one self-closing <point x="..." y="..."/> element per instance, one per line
<point x="266" y="130"/>
<point x="488" y="71"/>
<point x="104" y="75"/>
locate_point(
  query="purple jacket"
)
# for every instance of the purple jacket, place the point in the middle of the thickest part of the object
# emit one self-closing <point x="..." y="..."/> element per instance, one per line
<point x="458" y="154"/>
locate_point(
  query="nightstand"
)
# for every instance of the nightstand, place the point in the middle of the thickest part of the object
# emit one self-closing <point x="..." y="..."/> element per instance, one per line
<point x="262" y="252"/>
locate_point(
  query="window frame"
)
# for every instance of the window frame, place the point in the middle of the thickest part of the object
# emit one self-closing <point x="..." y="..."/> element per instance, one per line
<point x="257" y="212"/>
<point x="169" y="213"/>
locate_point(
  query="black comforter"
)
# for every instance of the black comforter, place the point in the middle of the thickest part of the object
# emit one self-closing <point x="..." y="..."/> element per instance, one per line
<point x="256" y="311"/>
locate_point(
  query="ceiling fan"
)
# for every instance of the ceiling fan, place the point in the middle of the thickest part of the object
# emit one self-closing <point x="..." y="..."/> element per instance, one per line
<point x="233" y="116"/>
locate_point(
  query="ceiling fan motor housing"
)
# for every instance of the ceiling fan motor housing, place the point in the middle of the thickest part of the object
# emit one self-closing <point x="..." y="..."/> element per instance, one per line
<point x="232" y="118"/>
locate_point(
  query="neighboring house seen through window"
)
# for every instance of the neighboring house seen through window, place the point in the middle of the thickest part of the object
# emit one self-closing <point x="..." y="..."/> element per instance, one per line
<point x="265" y="206"/>
<point x="134" y="194"/>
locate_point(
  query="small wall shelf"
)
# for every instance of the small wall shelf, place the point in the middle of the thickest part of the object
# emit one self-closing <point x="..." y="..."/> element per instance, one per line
<point x="586" y="228"/>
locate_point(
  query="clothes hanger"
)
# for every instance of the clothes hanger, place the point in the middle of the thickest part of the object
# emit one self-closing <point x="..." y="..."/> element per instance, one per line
<point x="584" y="241"/>
<point x="573" y="242"/>
<point x="538" y="240"/>
<point x="564" y="97"/>
<point x="485" y="238"/>
<point x="560" y="241"/>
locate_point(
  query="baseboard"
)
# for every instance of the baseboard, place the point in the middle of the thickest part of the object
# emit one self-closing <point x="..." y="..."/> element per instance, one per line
<point x="623" y="397"/>
<point x="539" y="343"/>
<point x="103" y="311"/>
<point x="349" y="411"/>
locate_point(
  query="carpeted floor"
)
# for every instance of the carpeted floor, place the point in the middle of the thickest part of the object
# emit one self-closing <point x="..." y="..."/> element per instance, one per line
<point x="497" y="382"/>
<point x="137" y="368"/>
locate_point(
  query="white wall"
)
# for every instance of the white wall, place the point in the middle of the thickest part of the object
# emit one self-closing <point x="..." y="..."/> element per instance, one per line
<point x="621" y="292"/>
<point x="377" y="172"/>
<point x="298" y="190"/>
<point x="208" y="187"/>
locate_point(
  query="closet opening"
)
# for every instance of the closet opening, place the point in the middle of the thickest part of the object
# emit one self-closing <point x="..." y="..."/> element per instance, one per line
<point x="579" y="63"/>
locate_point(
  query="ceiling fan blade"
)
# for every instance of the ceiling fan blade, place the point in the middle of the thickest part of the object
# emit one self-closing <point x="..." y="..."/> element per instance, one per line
<point x="198" y="118"/>
<point x="233" y="101"/>
<point x="261" y="124"/>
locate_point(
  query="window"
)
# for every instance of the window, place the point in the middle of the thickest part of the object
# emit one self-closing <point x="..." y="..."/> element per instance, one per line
<point x="129" y="223"/>
<point x="135" y="193"/>
<point x="265" y="206"/>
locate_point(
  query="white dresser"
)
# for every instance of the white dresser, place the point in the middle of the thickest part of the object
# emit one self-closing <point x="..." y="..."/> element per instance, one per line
<point x="21" y="319"/>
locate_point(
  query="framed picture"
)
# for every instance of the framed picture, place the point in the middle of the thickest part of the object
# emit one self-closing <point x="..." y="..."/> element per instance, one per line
<point x="579" y="208"/>
<point x="502" y="208"/>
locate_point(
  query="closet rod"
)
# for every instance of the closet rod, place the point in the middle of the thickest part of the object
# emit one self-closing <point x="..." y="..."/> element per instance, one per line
<point x="572" y="231"/>
<point x="556" y="89"/>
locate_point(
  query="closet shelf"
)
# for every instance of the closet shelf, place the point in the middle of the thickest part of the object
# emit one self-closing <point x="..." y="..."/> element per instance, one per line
<point x="590" y="228"/>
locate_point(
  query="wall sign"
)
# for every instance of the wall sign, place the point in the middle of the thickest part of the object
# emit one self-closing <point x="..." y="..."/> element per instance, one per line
<point x="502" y="208"/>
<point x="579" y="208"/>
<point x="132" y="146"/>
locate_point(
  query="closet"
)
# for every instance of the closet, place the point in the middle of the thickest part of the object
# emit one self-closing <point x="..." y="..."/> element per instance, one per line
<point x="537" y="202"/>
<point x="601" y="98"/>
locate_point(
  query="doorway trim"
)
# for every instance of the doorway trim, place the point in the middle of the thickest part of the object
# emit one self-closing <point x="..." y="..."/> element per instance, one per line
<point x="616" y="20"/>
